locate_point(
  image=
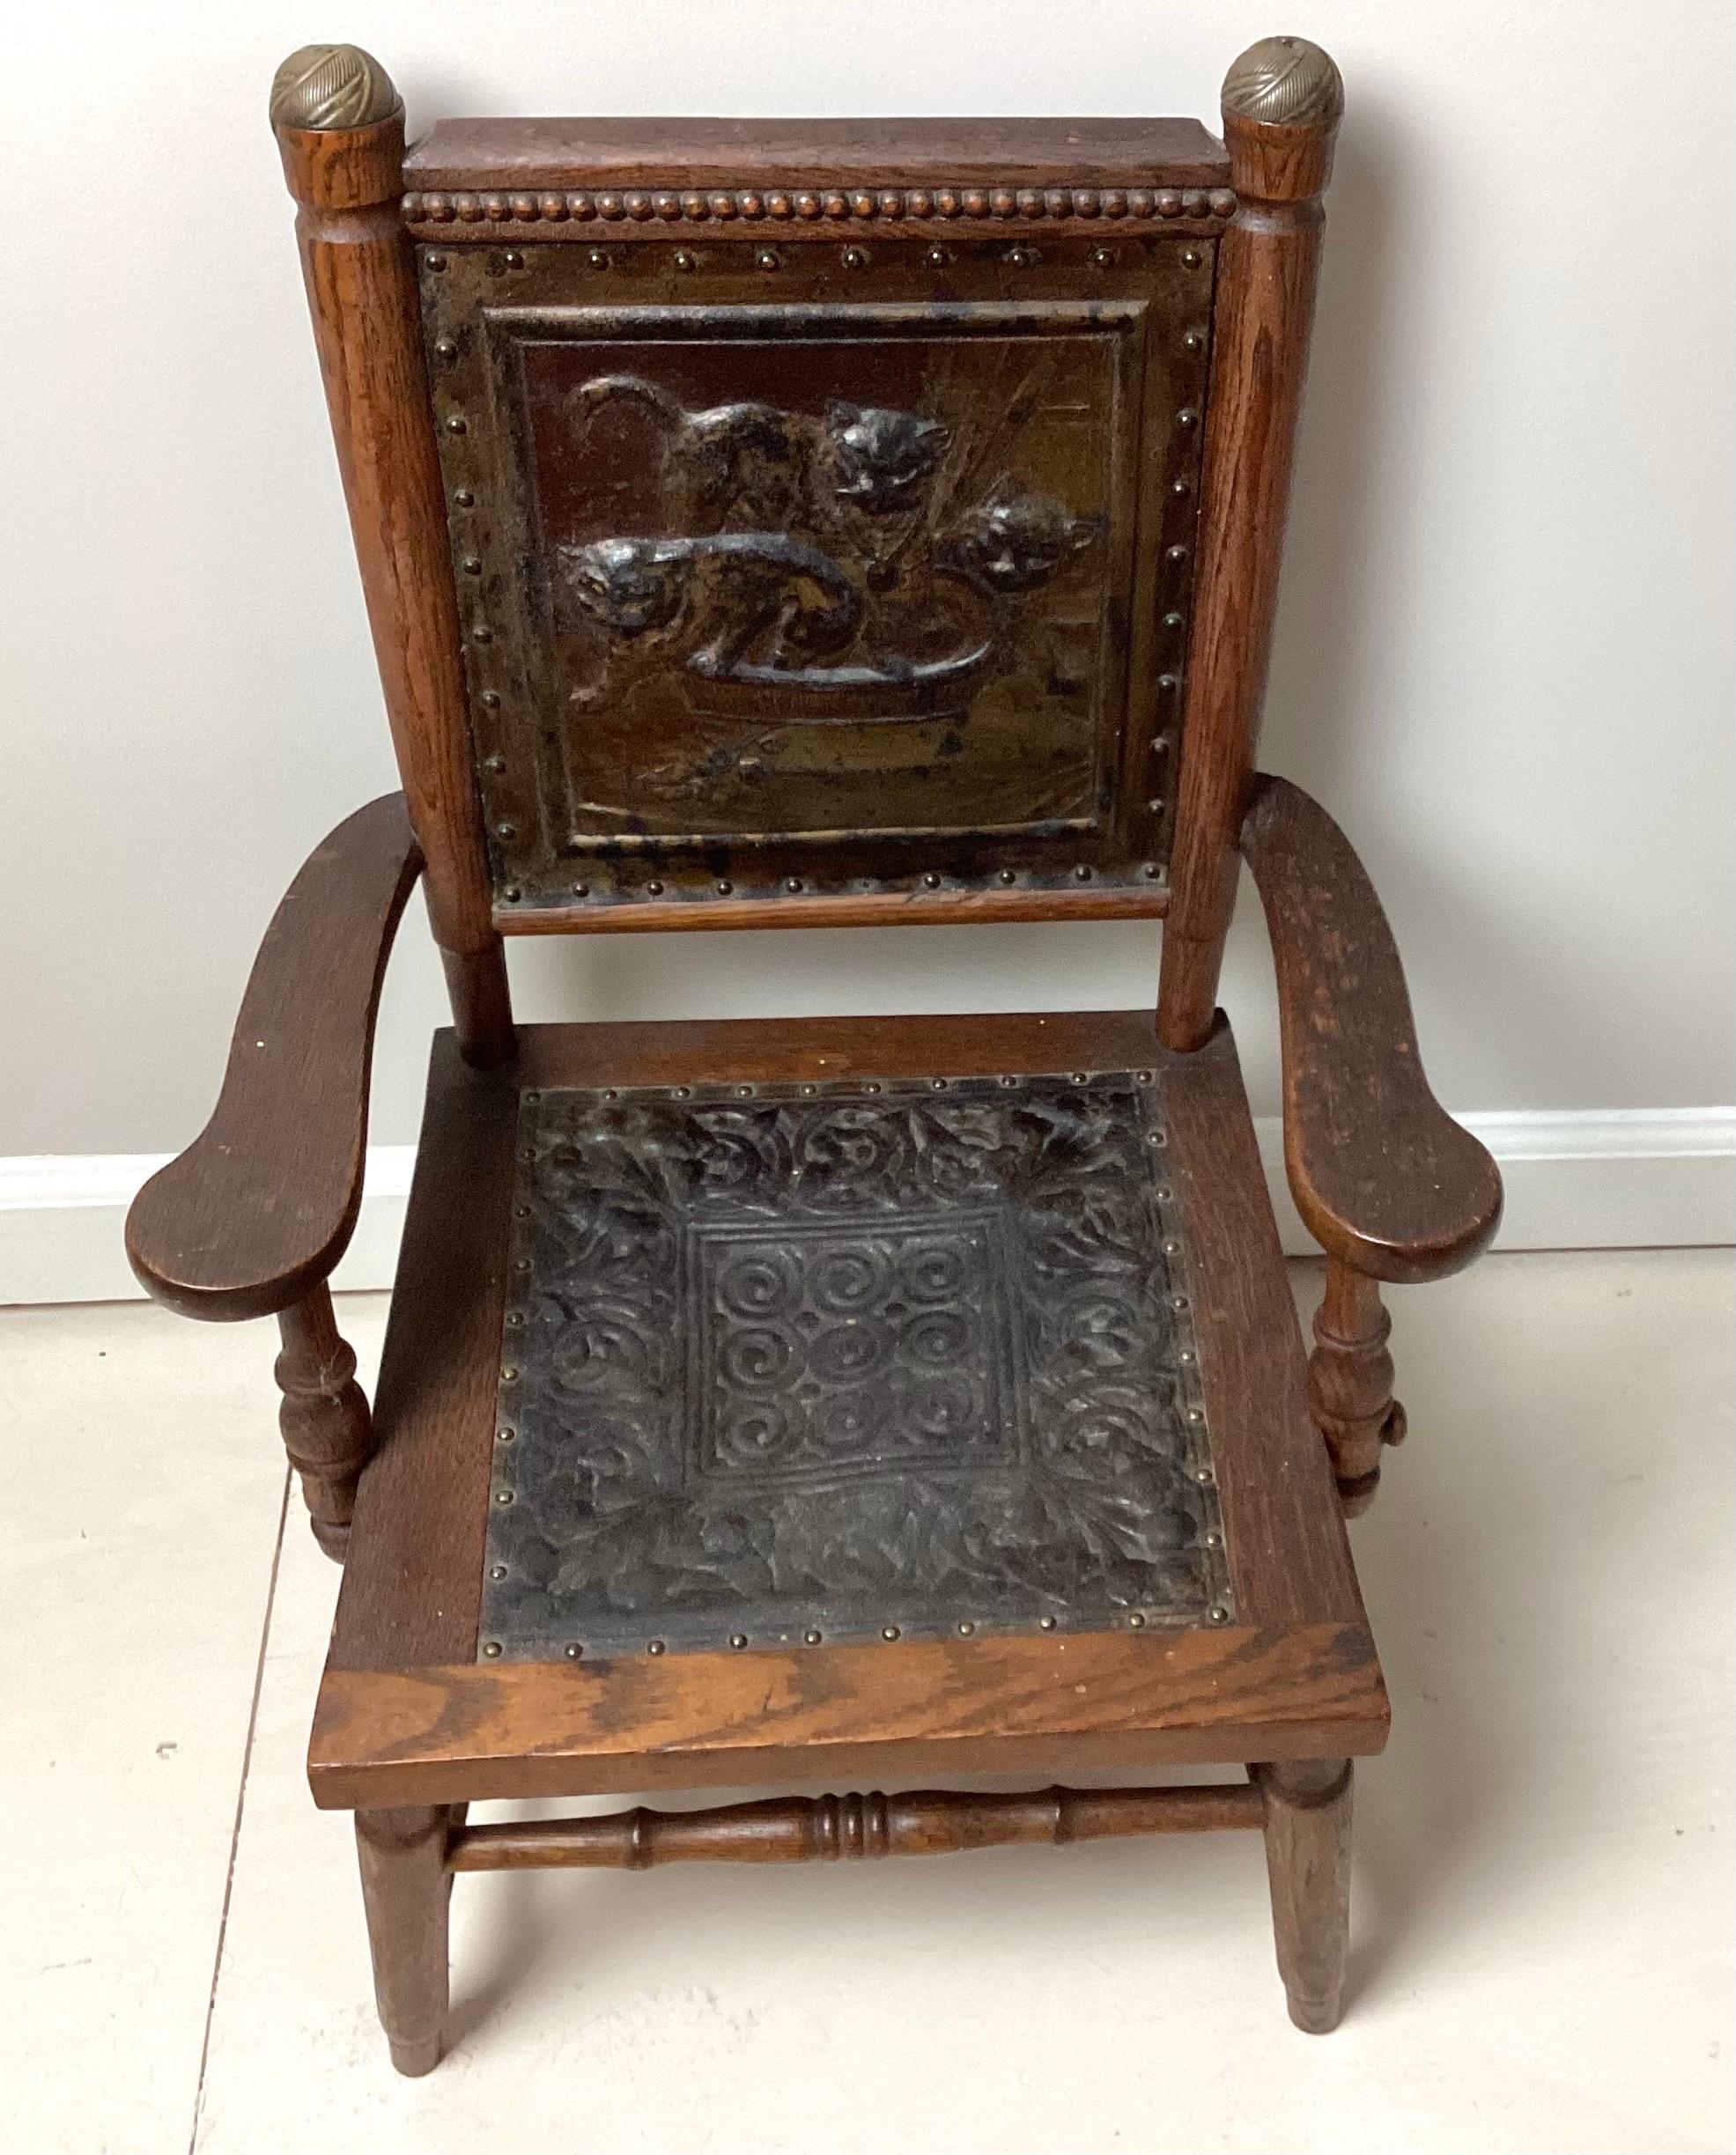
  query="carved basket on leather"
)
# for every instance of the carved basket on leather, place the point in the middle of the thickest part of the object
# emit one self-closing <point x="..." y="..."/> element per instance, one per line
<point x="773" y="524"/>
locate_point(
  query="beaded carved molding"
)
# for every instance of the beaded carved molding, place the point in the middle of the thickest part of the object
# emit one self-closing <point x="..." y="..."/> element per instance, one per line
<point x="808" y="1363"/>
<point x="672" y="205"/>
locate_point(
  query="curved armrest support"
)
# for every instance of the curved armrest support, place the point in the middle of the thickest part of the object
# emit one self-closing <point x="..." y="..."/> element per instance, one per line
<point x="258" y="1209"/>
<point x="1383" y="1177"/>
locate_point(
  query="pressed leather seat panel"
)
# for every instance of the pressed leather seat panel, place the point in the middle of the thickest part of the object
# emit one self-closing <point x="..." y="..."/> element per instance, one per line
<point x="806" y="1362"/>
<point x="563" y="1192"/>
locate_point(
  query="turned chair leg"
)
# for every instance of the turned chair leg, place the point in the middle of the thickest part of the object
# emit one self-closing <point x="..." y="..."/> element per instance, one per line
<point x="405" y="1889"/>
<point x="327" y="1431"/>
<point x="1350" y="1384"/>
<point x="1308" y="1861"/>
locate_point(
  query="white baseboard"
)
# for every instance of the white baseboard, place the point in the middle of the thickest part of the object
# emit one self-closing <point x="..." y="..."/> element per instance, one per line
<point x="1629" y="1178"/>
<point x="62" y="1217"/>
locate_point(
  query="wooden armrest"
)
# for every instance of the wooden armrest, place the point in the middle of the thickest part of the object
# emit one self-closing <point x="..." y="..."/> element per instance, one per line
<point x="1383" y="1177"/>
<point x="261" y="1205"/>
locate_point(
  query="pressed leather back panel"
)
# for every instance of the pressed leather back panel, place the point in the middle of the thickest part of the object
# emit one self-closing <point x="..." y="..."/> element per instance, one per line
<point x="826" y="541"/>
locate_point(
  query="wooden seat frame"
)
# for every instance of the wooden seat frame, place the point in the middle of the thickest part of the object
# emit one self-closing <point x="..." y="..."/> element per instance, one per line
<point x="252" y="1218"/>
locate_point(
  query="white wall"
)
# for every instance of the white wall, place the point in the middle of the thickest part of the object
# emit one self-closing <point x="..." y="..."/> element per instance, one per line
<point x="1505" y="656"/>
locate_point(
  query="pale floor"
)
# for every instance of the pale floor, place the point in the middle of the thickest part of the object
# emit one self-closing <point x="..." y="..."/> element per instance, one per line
<point x="1543" y="1871"/>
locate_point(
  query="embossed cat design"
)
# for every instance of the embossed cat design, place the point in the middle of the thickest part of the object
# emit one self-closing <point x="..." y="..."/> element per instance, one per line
<point x="778" y="469"/>
<point x="1014" y="540"/>
<point x="716" y="598"/>
<point x="878" y="459"/>
<point x="810" y="555"/>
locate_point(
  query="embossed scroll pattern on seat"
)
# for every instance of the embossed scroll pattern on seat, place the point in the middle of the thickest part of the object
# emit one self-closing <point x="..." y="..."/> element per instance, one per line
<point x="787" y="1362"/>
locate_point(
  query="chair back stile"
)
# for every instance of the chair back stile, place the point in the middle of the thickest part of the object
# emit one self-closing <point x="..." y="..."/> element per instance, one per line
<point x="340" y="129"/>
<point x="1283" y="101"/>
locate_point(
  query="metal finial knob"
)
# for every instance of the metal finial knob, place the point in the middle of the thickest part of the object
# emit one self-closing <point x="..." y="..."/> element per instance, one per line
<point x="331" y="87"/>
<point x="1287" y="79"/>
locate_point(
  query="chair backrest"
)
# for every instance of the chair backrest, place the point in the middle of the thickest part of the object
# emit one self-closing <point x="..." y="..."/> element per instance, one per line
<point x="779" y="522"/>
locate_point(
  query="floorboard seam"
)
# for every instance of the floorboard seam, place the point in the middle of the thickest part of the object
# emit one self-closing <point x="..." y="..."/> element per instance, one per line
<point x="240" y="1807"/>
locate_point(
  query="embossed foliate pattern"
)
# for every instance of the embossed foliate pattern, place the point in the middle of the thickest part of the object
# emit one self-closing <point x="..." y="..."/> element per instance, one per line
<point x="789" y="1363"/>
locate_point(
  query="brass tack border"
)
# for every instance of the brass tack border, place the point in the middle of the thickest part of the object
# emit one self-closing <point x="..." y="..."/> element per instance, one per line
<point x="607" y="881"/>
<point x="1198" y="1452"/>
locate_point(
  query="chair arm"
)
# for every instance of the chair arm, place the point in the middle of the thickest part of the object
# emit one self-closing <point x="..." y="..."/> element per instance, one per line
<point x="258" y="1209"/>
<point x="1383" y="1177"/>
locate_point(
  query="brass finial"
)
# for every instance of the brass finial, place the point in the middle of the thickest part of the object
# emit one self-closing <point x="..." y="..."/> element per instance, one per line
<point x="331" y="87"/>
<point x="1286" y="79"/>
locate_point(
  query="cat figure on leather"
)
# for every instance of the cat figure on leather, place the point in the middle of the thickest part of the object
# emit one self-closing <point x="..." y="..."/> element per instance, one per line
<point x="1014" y="539"/>
<point x="777" y="470"/>
<point x="716" y="598"/>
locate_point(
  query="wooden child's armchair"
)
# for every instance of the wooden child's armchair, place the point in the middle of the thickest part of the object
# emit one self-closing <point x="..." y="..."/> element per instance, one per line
<point x="776" y="525"/>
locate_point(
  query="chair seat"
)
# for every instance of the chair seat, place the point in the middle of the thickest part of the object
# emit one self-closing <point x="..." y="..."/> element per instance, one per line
<point x="765" y="1400"/>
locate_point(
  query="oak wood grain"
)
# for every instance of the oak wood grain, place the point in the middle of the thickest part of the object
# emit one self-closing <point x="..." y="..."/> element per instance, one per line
<point x="1383" y="1177"/>
<point x="968" y="1044"/>
<point x="840" y="909"/>
<point x="326" y="1430"/>
<point x="531" y="153"/>
<point x="1263" y="311"/>
<point x="1308" y="1865"/>
<point x="796" y="1829"/>
<point x="1289" y="1559"/>
<point x="261" y="1205"/>
<point x="412" y="1593"/>
<point x="367" y="327"/>
<point x="1051" y="1704"/>
<point x="403" y="1858"/>
<point x="1350" y="1384"/>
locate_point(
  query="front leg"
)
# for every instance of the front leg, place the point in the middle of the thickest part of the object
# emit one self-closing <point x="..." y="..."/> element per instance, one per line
<point x="1308" y="1863"/>
<point x="405" y="1889"/>
<point x="1350" y="1384"/>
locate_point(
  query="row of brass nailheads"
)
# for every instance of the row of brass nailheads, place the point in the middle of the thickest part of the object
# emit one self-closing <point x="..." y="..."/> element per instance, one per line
<point x="792" y="885"/>
<point x="1186" y="1358"/>
<point x="781" y="1089"/>
<point x="892" y="1633"/>
<point x="768" y="259"/>
<point x="691" y="206"/>
<point x="506" y="1433"/>
<point x="1186" y="419"/>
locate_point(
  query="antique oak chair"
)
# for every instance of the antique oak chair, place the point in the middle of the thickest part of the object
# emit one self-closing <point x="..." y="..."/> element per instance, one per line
<point x="785" y="525"/>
